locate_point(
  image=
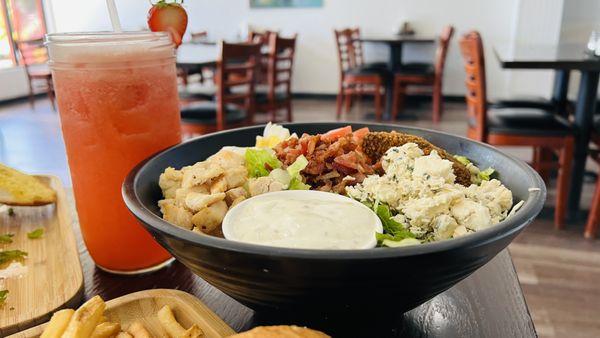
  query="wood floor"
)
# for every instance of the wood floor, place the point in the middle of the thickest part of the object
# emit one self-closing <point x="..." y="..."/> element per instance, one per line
<point x="559" y="270"/>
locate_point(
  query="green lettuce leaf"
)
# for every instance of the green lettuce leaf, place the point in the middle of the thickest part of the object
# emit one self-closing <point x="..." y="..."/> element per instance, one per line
<point x="402" y="242"/>
<point x="294" y="170"/>
<point x="462" y="159"/>
<point x="486" y="175"/>
<point x="391" y="227"/>
<point x="260" y="162"/>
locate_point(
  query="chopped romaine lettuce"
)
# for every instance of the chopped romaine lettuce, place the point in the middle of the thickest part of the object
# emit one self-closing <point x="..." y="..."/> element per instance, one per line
<point x="402" y="242"/>
<point x="486" y="174"/>
<point x="297" y="184"/>
<point x="462" y="159"/>
<point x="294" y="171"/>
<point x="281" y="176"/>
<point x="391" y="227"/>
<point x="260" y="162"/>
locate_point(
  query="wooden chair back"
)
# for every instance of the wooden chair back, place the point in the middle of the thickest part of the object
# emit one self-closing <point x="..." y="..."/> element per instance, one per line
<point x="236" y="75"/>
<point x="471" y="48"/>
<point x="356" y="47"/>
<point x="262" y="38"/>
<point x="343" y="39"/>
<point x="442" y="51"/>
<point x="281" y="63"/>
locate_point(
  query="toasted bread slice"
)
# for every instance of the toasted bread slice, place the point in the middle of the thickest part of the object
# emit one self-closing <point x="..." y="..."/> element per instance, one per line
<point x="17" y="188"/>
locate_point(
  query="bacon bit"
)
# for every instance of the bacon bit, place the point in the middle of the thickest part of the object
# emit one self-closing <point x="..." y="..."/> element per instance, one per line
<point x="332" y="164"/>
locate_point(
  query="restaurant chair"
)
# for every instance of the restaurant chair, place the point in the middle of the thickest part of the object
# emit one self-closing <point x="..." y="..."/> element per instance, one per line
<point x="418" y="74"/>
<point x="531" y="127"/>
<point x="34" y="57"/>
<point x="278" y="94"/>
<point x="593" y="221"/>
<point x="356" y="78"/>
<point x="359" y="53"/>
<point x="262" y="38"/>
<point x="234" y="105"/>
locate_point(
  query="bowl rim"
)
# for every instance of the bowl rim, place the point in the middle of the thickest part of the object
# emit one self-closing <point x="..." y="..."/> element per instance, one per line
<point x="525" y="215"/>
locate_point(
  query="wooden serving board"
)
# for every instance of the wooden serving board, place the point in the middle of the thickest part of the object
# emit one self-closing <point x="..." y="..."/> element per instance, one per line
<point x="144" y="305"/>
<point x="51" y="277"/>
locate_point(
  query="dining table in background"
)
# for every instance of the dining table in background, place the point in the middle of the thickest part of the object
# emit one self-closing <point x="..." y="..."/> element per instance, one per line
<point x="489" y="303"/>
<point x="396" y="45"/>
<point x="564" y="58"/>
<point x="192" y="57"/>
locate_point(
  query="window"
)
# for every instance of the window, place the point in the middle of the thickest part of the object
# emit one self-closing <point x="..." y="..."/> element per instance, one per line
<point x="20" y="21"/>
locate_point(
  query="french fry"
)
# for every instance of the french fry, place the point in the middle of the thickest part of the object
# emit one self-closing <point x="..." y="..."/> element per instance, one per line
<point x="103" y="319"/>
<point x="137" y="330"/>
<point x="58" y="323"/>
<point x="105" y="330"/>
<point x="84" y="320"/>
<point x="168" y="322"/>
<point x="193" y="332"/>
<point x="123" y="335"/>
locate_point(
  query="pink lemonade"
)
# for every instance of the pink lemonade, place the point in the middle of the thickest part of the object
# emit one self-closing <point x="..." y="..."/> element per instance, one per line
<point x="118" y="103"/>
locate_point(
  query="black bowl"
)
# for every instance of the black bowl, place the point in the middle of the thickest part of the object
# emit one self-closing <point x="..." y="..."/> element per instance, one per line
<point x="329" y="281"/>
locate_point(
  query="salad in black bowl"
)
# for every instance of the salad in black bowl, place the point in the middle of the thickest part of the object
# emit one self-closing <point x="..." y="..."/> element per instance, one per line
<point x="415" y="212"/>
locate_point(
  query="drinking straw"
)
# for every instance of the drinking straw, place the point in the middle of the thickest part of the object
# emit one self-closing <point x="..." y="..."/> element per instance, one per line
<point x="114" y="15"/>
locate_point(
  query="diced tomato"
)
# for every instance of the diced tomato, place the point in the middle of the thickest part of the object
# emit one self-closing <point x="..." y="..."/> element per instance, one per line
<point x="360" y="133"/>
<point x="335" y="134"/>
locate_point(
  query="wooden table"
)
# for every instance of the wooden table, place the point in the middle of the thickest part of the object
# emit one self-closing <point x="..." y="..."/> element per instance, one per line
<point x="563" y="58"/>
<point x="396" y="43"/>
<point x="489" y="303"/>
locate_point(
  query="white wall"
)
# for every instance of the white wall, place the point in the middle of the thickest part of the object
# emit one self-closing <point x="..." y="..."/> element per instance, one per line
<point x="579" y="19"/>
<point x="499" y="21"/>
<point x="537" y="22"/>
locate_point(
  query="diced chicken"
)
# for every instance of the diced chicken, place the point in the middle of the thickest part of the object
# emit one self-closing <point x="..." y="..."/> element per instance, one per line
<point x="169" y="181"/>
<point x="200" y="173"/>
<point x="175" y="214"/>
<point x="236" y="176"/>
<point x="218" y="185"/>
<point x="263" y="185"/>
<point x="209" y="219"/>
<point x="196" y="201"/>
<point x="238" y="200"/>
<point x="181" y="193"/>
<point x="227" y="159"/>
<point x="235" y="193"/>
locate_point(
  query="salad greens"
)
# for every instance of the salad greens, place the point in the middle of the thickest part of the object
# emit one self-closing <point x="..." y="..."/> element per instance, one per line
<point x="294" y="171"/>
<point x="402" y="242"/>
<point x="462" y="159"/>
<point x="263" y="162"/>
<point x="483" y="175"/>
<point x="486" y="175"/>
<point x="260" y="162"/>
<point x="393" y="232"/>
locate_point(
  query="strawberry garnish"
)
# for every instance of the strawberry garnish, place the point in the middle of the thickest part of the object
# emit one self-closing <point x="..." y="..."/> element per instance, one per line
<point x="168" y="17"/>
